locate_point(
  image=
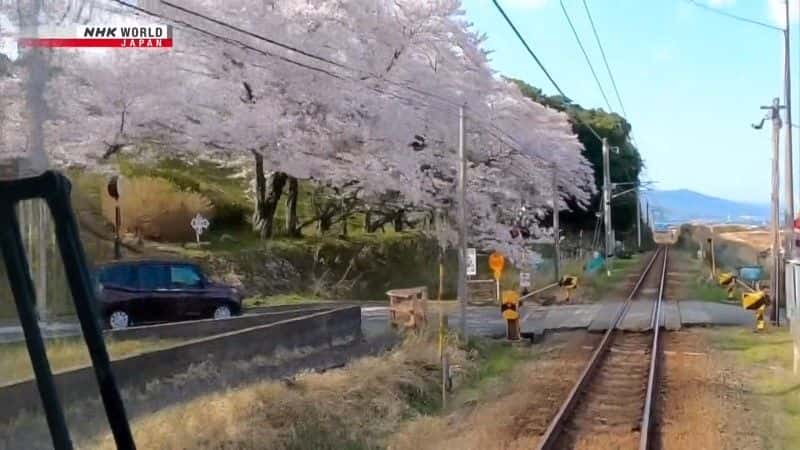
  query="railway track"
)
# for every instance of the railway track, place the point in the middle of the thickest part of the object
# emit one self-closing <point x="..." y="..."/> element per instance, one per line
<point x="612" y="403"/>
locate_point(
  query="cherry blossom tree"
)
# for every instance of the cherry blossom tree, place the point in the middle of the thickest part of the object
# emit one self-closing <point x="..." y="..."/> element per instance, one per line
<point x="370" y="106"/>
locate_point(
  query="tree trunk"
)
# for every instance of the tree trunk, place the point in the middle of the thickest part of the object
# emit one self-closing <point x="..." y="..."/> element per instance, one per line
<point x="324" y="224"/>
<point x="367" y="221"/>
<point x="291" y="208"/>
<point x="266" y="204"/>
<point x="344" y="220"/>
<point x="399" y="218"/>
<point x="261" y="192"/>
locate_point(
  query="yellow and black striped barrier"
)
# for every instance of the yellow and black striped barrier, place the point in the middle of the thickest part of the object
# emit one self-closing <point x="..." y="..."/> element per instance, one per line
<point x="728" y="281"/>
<point x="509" y="308"/>
<point x="756" y="301"/>
<point x="569" y="283"/>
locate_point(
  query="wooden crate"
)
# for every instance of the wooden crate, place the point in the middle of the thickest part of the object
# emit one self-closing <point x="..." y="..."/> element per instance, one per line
<point x="408" y="307"/>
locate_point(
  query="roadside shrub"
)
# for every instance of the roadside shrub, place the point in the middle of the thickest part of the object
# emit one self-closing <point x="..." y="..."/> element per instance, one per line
<point x="154" y="208"/>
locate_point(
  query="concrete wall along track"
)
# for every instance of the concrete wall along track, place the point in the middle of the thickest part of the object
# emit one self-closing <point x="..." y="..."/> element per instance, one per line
<point x="209" y="327"/>
<point x="318" y="330"/>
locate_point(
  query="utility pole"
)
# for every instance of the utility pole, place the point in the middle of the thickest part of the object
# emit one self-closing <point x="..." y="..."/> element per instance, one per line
<point x="607" y="204"/>
<point x="788" y="169"/>
<point x="462" y="225"/>
<point x="556" y="226"/>
<point x="638" y="221"/>
<point x="775" y="287"/>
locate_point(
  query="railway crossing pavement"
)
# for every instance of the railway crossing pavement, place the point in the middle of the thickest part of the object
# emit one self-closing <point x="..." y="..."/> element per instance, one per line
<point x="487" y="321"/>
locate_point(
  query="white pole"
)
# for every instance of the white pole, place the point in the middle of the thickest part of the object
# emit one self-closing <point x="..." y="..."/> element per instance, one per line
<point x="788" y="169"/>
<point x="607" y="205"/>
<point x="775" y="285"/>
<point x="462" y="224"/>
<point x="638" y="221"/>
<point x="556" y="226"/>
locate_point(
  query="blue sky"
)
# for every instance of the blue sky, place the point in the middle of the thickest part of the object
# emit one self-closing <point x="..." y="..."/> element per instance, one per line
<point x="692" y="81"/>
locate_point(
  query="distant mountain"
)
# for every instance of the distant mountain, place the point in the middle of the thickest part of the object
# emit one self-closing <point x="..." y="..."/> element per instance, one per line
<point x="683" y="205"/>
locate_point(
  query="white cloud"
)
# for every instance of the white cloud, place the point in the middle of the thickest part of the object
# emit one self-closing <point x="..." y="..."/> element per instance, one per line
<point x="777" y="11"/>
<point x="524" y="4"/>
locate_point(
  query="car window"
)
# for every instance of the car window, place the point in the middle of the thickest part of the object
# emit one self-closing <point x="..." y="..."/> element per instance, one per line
<point x="153" y="276"/>
<point x="124" y="276"/>
<point x="185" y="276"/>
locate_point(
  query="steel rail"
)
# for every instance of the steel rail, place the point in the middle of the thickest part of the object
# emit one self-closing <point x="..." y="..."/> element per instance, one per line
<point x="553" y="431"/>
<point x="655" y="352"/>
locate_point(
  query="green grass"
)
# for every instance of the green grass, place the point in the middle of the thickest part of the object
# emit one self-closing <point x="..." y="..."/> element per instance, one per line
<point x="67" y="353"/>
<point x="699" y="289"/>
<point x="597" y="285"/>
<point x="764" y="360"/>
<point x="496" y="360"/>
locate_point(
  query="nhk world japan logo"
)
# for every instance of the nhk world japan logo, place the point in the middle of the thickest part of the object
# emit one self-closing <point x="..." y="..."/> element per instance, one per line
<point x="100" y="36"/>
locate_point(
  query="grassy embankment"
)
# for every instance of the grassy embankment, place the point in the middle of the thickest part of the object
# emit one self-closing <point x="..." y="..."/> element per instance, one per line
<point x="762" y="364"/>
<point x="361" y="406"/>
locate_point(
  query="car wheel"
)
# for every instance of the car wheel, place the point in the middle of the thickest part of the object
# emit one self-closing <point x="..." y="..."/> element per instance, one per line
<point x="222" y="312"/>
<point x="119" y="320"/>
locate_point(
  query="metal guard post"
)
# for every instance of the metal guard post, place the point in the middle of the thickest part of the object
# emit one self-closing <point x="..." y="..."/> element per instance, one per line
<point x="55" y="189"/>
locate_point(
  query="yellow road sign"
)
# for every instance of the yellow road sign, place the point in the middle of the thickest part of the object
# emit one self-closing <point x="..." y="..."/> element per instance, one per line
<point x="496" y="263"/>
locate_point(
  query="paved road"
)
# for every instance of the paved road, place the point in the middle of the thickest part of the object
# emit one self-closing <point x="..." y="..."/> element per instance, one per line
<point x="486" y="320"/>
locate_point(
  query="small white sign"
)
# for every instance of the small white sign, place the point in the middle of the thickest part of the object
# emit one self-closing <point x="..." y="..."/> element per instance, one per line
<point x="524" y="279"/>
<point x="199" y="224"/>
<point x="472" y="262"/>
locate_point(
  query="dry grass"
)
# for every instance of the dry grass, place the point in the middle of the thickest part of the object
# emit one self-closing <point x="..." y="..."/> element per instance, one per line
<point x="15" y="365"/>
<point x="509" y="412"/>
<point x="354" y="407"/>
<point x="154" y="208"/>
<point x="759" y="239"/>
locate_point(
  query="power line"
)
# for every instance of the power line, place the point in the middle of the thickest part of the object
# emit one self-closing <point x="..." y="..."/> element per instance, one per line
<point x="732" y="16"/>
<point x="605" y="60"/>
<point x="541" y="66"/>
<point x="586" y="57"/>
<point x="527" y="47"/>
<point x="231" y="41"/>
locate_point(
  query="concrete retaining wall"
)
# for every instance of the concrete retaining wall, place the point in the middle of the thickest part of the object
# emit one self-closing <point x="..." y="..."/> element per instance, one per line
<point x="318" y="330"/>
<point x="209" y="327"/>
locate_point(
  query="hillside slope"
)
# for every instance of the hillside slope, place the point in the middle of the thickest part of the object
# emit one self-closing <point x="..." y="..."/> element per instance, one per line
<point x="684" y="206"/>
